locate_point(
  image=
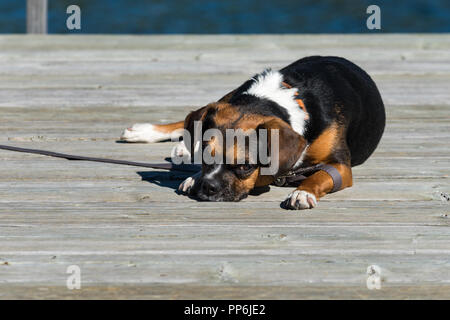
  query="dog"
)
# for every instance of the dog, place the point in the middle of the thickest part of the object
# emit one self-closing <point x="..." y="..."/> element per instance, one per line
<point x="327" y="110"/>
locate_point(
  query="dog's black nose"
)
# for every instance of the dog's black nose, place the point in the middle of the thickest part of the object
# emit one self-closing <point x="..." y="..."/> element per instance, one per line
<point x="210" y="187"/>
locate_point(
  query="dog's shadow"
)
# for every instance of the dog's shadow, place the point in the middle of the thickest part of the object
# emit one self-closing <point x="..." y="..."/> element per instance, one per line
<point x="168" y="179"/>
<point x="172" y="179"/>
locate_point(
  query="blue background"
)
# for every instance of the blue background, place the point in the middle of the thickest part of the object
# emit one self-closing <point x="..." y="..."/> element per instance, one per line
<point x="233" y="16"/>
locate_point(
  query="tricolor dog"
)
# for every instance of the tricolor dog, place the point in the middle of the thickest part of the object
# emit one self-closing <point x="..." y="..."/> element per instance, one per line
<point x="326" y="110"/>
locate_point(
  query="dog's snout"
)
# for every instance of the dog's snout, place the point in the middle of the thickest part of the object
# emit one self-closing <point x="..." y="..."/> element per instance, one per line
<point x="210" y="187"/>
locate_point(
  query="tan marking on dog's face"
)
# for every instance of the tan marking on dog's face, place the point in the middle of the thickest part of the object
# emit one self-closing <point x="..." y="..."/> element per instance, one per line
<point x="214" y="146"/>
<point x="240" y="152"/>
<point x="236" y="186"/>
<point x="244" y="186"/>
<point x="262" y="181"/>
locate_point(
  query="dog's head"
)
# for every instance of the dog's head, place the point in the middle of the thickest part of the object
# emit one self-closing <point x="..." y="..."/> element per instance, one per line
<point x="233" y="147"/>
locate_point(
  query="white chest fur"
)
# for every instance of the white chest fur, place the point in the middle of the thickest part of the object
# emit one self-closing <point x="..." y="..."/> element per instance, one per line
<point x="268" y="85"/>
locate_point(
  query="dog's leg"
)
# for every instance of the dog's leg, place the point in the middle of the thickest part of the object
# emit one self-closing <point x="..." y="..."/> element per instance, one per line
<point x="146" y="132"/>
<point x="315" y="187"/>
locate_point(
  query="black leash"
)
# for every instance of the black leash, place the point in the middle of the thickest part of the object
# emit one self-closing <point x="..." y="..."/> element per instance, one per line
<point x="164" y="166"/>
<point x="293" y="177"/>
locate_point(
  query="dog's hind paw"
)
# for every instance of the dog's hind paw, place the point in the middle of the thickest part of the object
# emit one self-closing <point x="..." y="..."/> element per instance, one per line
<point x="143" y="132"/>
<point x="300" y="199"/>
<point x="180" y="151"/>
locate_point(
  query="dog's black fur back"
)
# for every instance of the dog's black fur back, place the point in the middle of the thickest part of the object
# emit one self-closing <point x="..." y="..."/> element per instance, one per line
<point x="334" y="89"/>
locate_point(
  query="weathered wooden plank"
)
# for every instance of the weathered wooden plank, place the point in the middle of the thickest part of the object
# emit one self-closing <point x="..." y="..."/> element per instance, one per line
<point x="406" y="42"/>
<point x="186" y="291"/>
<point x="132" y="191"/>
<point x="215" y="268"/>
<point x="231" y="68"/>
<point x="263" y="213"/>
<point x="138" y="237"/>
<point x="225" y="291"/>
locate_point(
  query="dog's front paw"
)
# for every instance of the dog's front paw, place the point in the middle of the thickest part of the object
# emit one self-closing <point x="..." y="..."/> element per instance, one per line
<point x="143" y="132"/>
<point x="300" y="199"/>
<point x="187" y="185"/>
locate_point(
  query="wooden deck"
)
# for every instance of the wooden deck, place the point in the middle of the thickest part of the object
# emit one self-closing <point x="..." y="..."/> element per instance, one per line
<point x="134" y="237"/>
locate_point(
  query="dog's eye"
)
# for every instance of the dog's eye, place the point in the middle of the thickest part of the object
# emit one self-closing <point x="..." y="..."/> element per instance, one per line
<point x="244" y="169"/>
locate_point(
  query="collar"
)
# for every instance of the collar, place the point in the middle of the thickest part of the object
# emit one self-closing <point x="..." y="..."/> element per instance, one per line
<point x="296" y="176"/>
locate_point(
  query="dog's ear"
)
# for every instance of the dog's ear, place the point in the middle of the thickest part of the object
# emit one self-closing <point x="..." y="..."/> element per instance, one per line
<point x="228" y="96"/>
<point x="290" y="143"/>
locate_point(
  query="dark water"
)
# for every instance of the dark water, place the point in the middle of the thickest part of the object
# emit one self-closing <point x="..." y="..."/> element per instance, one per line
<point x="234" y="16"/>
